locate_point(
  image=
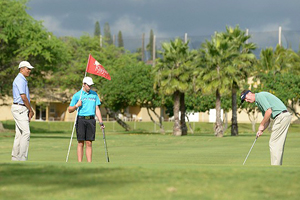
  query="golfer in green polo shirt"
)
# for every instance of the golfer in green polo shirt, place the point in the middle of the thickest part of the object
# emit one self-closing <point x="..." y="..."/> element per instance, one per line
<point x="271" y="107"/>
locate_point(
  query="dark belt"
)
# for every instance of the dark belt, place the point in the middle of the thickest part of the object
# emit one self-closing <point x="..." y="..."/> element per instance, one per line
<point x="280" y="113"/>
<point x="86" y="117"/>
<point x="19" y="104"/>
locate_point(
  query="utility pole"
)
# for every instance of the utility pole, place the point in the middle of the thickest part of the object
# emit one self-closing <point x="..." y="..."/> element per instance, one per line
<point x="101" y="41"/>
<point x="153" y="58"/>
<point x="279" y="36"/>
<point x="143" y="47"/>
<point x="247" y="33"/>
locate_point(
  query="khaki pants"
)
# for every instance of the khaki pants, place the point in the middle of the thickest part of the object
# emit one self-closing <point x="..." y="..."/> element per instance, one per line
<point x="278" y="137"/>
<point x="22" y="137"/>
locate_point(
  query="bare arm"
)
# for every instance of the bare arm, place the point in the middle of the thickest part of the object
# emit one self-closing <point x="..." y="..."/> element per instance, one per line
<point x="98" y="114"/>
<point x="264" y="123"/>
<point x="28" y="106"/>
<point x="73" y="108"/>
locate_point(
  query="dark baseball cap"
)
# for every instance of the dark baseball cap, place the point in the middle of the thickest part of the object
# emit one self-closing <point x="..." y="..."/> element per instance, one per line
<point x="243" y="95"/>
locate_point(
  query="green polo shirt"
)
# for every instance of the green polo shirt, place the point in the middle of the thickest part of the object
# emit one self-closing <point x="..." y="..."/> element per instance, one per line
<point x="266" y="100"/>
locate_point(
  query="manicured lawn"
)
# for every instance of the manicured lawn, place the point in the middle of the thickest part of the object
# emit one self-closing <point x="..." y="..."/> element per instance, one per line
<point x="147" y="165"/>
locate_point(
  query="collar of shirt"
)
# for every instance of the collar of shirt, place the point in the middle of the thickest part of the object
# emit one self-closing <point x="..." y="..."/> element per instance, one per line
<point x="22" y="76"/>
<point x="85" y="93"/>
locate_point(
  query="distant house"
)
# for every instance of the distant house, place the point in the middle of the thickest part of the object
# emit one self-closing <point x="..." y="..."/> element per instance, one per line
<point x="54" y="107"/>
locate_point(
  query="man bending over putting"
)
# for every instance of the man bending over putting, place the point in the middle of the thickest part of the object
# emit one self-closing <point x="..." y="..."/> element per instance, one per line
<point x="88" y="107"/>
<point x="271" y="107"/>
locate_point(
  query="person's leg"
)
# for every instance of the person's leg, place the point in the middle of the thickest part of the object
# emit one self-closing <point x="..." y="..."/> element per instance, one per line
<point x="15" y="154"/>
<point x="80" y="132"/>
<point x="24" y="141"/>
<point x="88" y="151"/>
<point x="90" y="137"/>
<point x="80" y="146"/>
<point x="278" y="137"/>
<point x="21" y="143"/>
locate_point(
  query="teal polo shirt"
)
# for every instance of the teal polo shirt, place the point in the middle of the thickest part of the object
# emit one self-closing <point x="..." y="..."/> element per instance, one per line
<point x="266" y="100"/>
<point x="89" y="102"/>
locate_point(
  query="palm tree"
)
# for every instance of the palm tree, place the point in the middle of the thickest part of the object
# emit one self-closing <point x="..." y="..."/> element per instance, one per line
<point x="215" y="71"/>
<point x="172" y="77"/>
<point x="242" y="64"/>
<point x="280" y="61"/>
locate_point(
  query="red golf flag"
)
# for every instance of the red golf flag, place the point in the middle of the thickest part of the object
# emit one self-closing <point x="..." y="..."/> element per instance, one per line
<point x="94" y="67"/>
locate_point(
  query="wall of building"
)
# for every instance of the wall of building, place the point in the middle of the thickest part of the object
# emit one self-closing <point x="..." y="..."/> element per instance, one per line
<point x="131" y="113"/>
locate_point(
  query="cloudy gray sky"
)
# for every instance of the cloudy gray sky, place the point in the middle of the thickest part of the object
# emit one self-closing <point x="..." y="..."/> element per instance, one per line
<point x="167" y="18"/>
<point x="172" y="18"/>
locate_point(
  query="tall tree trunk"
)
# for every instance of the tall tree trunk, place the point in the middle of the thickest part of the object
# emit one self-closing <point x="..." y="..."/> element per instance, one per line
<point x="190" y="124"/>
<point x="225" y="122"/>
<point x="253" y="125"/>
<point x="160" y="124"/>
<point x="176" y="127"/>
<point x="182" y="111"/>
<point x="218" y="125"/>
<point x="119" y="121"/>
<point x="1" y="127"/>
<point x="253" y="117"/>
<point x="234" y="123"/>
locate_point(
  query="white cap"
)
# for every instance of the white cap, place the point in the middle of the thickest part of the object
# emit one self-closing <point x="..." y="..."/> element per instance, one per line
<point x="25" y="64"/>
<point x="88" y="80"/>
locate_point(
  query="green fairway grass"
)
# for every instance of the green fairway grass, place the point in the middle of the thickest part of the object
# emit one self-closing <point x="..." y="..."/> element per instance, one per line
<point x="145" y="164"/>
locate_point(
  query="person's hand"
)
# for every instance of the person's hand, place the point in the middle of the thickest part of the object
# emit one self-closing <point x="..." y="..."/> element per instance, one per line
<point x="260" y="130"/>
<point x="30" y="114"/>
<point x="102" y="125"/>
<point x="78" y="104"/>
<point x="259" y="133"/>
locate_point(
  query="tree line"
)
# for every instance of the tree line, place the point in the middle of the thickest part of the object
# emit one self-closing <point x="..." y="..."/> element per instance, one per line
<point x="182" y="80"/>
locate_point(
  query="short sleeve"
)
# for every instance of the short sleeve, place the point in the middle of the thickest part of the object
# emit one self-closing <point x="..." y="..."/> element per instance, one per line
<point x="21" y="86"/>
<point x="74" y="100"/>
<point x="264" y="103"/>
<point x="98" y="102"/>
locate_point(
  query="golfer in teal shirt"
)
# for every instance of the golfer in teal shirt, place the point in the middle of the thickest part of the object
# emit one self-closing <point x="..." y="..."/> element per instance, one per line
<point x="87" y="102"/>
<point x="271" y="107"/>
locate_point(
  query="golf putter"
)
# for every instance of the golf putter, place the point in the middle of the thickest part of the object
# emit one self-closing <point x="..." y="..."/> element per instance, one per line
<point x="105" y="146"/>
<point x="250" y="150"/>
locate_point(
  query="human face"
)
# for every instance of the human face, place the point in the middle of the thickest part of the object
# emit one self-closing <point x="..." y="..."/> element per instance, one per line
<point x="250" y="97"/>
<point x="25" y="71"/>
<point x="86" y="87"/>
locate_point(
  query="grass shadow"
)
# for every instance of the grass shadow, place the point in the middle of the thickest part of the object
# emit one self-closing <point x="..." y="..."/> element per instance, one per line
<point x="55" y="179"/>
<point x="49" y="137"/>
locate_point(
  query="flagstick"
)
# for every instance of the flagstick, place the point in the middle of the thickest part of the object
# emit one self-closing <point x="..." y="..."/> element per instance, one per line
<point x="71" y="137"/>
<point x="76" y="116"/>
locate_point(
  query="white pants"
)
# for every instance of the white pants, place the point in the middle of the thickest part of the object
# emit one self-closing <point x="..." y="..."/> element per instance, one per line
<point x="22" y="137"/>
<point x="278" y="137"/>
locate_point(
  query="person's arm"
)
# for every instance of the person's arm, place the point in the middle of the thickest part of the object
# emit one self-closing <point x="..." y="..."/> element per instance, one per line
<point x="264" y="123"/>
<point x="73" y="108"/>
<point x="27" y="104"/>
<point x="98" y="114"/>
